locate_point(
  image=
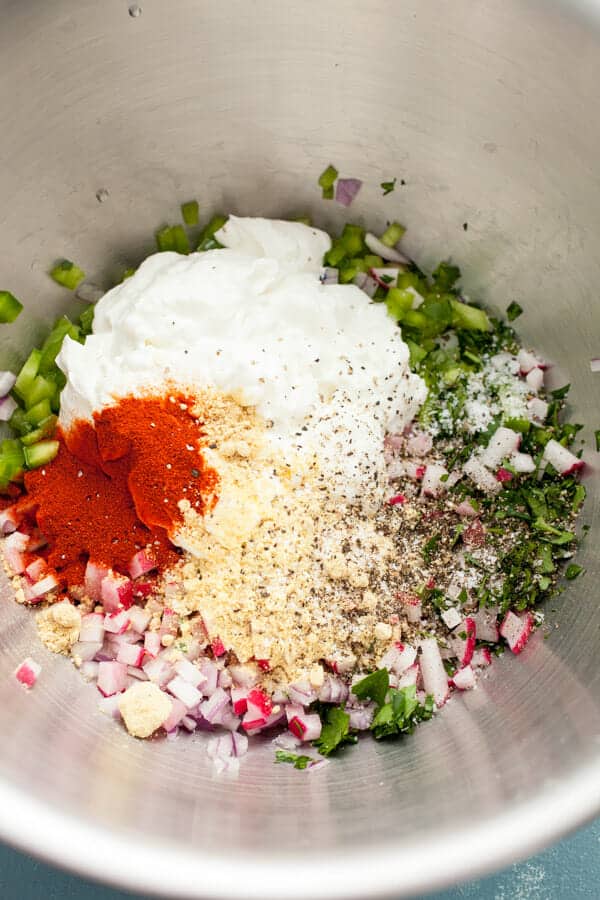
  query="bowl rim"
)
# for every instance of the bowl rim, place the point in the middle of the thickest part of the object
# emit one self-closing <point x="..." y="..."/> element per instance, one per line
<point x="435" y="862"/>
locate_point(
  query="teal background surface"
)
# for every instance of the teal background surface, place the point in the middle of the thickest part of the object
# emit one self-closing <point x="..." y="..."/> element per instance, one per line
<point x="571" y="869"/>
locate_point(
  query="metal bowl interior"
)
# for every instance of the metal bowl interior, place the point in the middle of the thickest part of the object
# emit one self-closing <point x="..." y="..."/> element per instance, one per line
<point x="486" y="111"/>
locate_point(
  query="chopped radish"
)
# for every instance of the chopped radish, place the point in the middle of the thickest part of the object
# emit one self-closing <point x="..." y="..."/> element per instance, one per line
<point x="516" y="630"/>
<point x="435" y="679"/>
<point x="260" y="699"/>
<point x="466" y="510"/>
<point x="503" y="443"/>
<point x="264" y="665"/>
<point x="398" y="658"/>
<point x="464" y="679"/>
<point x="380" y="249"/>
<point x="218" y="647"/>
<point x="35" y="569"/>
<point x="152" y="644"/>
<point x="184" y="691"/>
<point x="131" y="655"/>
<point x="419" y="444"/>
<point x="380" y="275"/>
<point x="412" y="605"/>
<point x="94" y="575"/>
<point x="85" y="650"/>
<point x="28" y="672"/>
<point x="89" y="669"/>
<point x="528" y="361"/>
<point x="522" y="462"/>
<point x="486" y="624"/>
<point x="139" y="618"/>
<point x="244" y="676"/>
<point x="463" y="648"/>
<point x="560" y="458"/>
<point x="141" y="563"/>
<point x="433" y="485"/>
<point x="538" y="409"/>
<point x="178" y="711"/>
<point x="9" y="520"/>
<point x="503" y="475"/>
<point x="112" y="678"/>
<point x="239" y="698"/>
<point x="36" y="592"/>
<point x="117" y="622"/>
<point x="14" y="548"/>
<point x="535" y="379"/>
<point x="253" y="719"/>
<point x="143" y="588"/>
<point x="397" y="500"/>
<point x="480" y="476"/>
<point x="116" y="592"/>
<point x="482" y="658"/>
<point x="305" y="726"/>
<point x="158" y="670"/>
<point x="451" y="617"/>
<point x="190" y="673"/>
<point x="8" y="379"/>
<point x="409" y="677"/>
<point x="92" y="627"/>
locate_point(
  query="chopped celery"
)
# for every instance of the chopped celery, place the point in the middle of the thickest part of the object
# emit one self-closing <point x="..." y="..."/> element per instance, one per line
<point x="127" y="274"/>
<point x="304" y="220"/>
<point x="353" y="239"/>
<point x="35" y="414"/>
<point x="45" y="429"/>
<point x="327" y="180"/>
<point x="10" y="307"/>
<point x="165" y="239"/>
<point x="189" y="212"/>
<point x="180" y="239"/>
<point x="208" y="240"/>
<point x="359" y="264"/>
<point x="521" y="425"/>
<point x="372" y="261"/>
<point x="53" y="343"/>
<point x="415" y="319"/>
<point x="28" y="373"/>
<point x="67" y="274"/>
<point x="40" y="454"/>
<point x="12" y="458"/>
<point x="41" y="388"/>
<point x="336" y="254"/>
<point x="469" y="317"/>
<point x="398" y="302"/>
<point x="392" y="234"/>
<point x="347" y="274"/>
<point x="86" y="320"/>
<point x="411" y="279"/>
<point x="18" y="421"/>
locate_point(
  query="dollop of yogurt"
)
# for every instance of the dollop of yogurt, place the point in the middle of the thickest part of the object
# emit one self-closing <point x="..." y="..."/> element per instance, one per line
<point x="325" y="367"/>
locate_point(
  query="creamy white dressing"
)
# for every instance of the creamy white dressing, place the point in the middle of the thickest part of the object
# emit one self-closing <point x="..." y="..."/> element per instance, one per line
<point x="328" y="368"/>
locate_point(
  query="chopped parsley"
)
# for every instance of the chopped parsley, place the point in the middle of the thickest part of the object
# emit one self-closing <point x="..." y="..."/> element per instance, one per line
<point x="373" y="687"/>
<point x="430" y="547"/>
<point x="298" y="762"/>
<point x="573" y="571"/>
<point x="388" y="186"/>
<point x="513" y="311"/>
<point x="401" y="713"/>
<point x="335" y="731"/>
<point x="597" y="439"/>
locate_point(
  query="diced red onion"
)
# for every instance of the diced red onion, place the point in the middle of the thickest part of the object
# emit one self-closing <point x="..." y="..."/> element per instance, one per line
<point x="333" y="690"/>
<point x="302" y="692"/>
<point x="35" y="570"/>
<point x="190" y="673"/>
<point x="107" y="652"/>
<point x="139" y="618"/>
<point x="189" y="723"/>
<point x="346" y="190"/>
<point x="245" y="676"/>
<point x="92" y="627"/>
<point x="360" y="279"/>
<point x="112" y="678"/>
<point x="184" y="691"/>
<point x="210" y="671"/>
<point x="158" y="670"/>
<point x="137" y="673"/>
<point x="214" y="706"/>
<point x="434" y="675"/>
<point x="7" y="408"/>
<point x="9" y="520"/>
<point x="117" y="622"/>
<point x="116" y="592"/>
<point x="177" y="713"/>
<point x="36" y="592"/>
<point x="28" y="672"/>
<point x="287" y="741"/>
<point x="380" y="249"/>
<point x="131" y="655"/>
<point x="224" y="679"/>
<point x="152" y="644"/>
<point x="7" y="382"/>
<point x="595" y="364"/>
<point x="86" y="650"/>
<point x="94" y="575"/>
<point x="361" y="717"/>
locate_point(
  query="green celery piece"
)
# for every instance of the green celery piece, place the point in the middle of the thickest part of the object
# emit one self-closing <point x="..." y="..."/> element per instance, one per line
<point x="469" y="317"/>
<point x="304" y="220"/>
<point x="392" y="234"/>
<point x="67" y="274"/>
<point x="336" y="254"/>
<point x="41" y="453"/>
<point x="353" y="239"/>
<point x="327" y="179"/>
<point x="358" y="263"/>
<point x="398" y="302"/>
<point x="347" y="274"/>
<point x="35" y="414"/>
<point x="450" y="376"/>
<point x="520" y="425"/>
<point x="165" y="239"/>
<point x="86" y="320"/>
<point x="28" y="373"/>
<point x="411" y="279"/>
<point x="208" y="240"/>
<point x="372" y="261"/>
<point x="45" y="429"/>
<point x="414" y="318"/>
<point x="40" y="389"/>
<point x="12" y="460"/>
<point x="18" y="421"/>
<point x="53" y="343"/>
<point x="182" y="244"/>
<point x="10" y="307"/>
<point x="190" y="212"/>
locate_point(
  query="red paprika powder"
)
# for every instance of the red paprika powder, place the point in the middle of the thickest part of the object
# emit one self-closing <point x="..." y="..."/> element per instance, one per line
<point x="115" y="485"/>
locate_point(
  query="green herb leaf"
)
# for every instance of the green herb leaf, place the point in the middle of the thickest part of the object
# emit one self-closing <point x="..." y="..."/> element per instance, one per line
<point x="597" y="438"/>
<point x="513" y="311"/>
<point x="430" y="547"/>
<point x="401" y="713"/>
<point x="373" y="687"/>
<point x="573" y="571"/>
<point x="445" y="276"/>
<point x="388" y="186"/>
<point x="561" y="393"/>
<point x="298" y="762"/>
<point x="335" y="731"/>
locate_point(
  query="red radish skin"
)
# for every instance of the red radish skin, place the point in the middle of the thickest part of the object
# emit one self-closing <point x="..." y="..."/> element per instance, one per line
<point x="516" y="630"/>
<point x="218" y="647"/>
<point x="116" y="623"/>
<point x="116" y="592"/>
<point x="261" y="700"/>
<point x="28" y="672"/>
<point x="239" y="699"/>
<point x="141" y="563"/>
<point x="464" y="679"/>
<point x="397" y="500"/>
<point x="131" y="655"/>
<point x="565" y="462"/>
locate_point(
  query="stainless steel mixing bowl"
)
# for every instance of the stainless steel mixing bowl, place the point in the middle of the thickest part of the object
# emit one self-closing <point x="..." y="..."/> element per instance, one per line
<point x="489" y="111"/>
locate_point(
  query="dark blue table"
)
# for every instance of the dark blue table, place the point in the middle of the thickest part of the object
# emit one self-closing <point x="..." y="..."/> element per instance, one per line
<point x="569" y="870"/>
